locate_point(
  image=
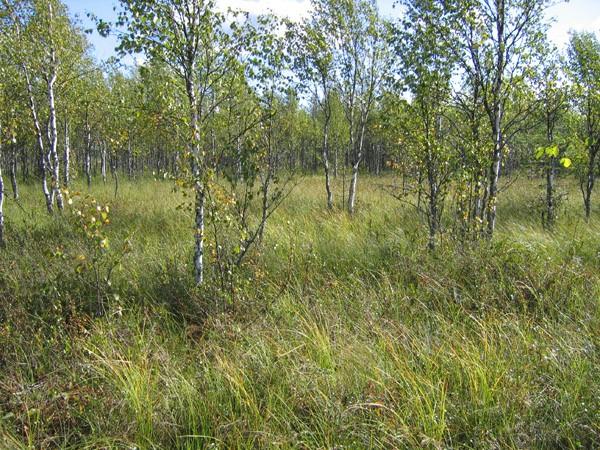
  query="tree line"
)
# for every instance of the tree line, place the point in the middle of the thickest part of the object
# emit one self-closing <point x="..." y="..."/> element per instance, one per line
<point x="452" y="97"/>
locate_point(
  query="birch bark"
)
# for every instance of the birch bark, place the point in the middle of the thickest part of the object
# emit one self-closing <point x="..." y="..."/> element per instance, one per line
<point x="196" y="171"/>
<point x="52" y="123"/>
<point x="40" y="141"/>
<point x="103" y="163"/>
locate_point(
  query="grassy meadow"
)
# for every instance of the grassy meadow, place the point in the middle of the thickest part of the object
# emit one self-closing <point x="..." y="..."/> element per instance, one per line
<point x="343" y="333"/>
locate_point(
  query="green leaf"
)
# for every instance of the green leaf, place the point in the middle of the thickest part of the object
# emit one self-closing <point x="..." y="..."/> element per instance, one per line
<point x="539" y="152"/>
<point x="566" y="162"/>
<point x="552" y="151"/>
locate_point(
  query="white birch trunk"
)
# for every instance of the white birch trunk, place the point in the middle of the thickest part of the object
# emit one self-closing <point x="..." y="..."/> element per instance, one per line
<point x="494" y="178"/>
<point x="103" y="168"/>
<point x="352" y="191"/>
<point x="198" y="186"/>
<point x="496" y="119"/>
<point x="53" y="131"/>
<point x="355" y="167"/>
<point x="40" y="141"/>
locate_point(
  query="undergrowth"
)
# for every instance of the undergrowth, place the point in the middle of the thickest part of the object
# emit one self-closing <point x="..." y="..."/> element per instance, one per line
<point x="343" y="332"/>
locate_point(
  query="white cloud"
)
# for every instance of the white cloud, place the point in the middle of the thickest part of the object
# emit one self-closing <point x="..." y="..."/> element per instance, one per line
<point x="576" y="15"/>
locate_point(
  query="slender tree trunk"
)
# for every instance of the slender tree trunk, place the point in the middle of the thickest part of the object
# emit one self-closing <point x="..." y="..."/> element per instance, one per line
<point x="24" y="165"/>
<point x="53" y="134"/>
<point x="550" y="176"/>
<point x="199" y="235"/>
<point x="433" y="194"/>
<point x="479" y="198"/>
<point x="176" y="163"/>
<point x="355" y="166"/>
<point x="36" y="123"/>
<point x="265" y="206"/>
<point x="433" y="213"/>
<point x="40" y="141"/>
<point x="326" y="157"/>
<point x="129" y="160"/>
<point x="419" y="189"/>
<point x="550" y="203"/>
<point x="352" y="191"/>
<point x="484" y="201"/>
<point x="67" y="157"/>
<point x="13" y="173"/>
<point x="476" y="203"/>
<point x="349" y="150"/>
<point x="88" y="150"/>
<point x="494" y="179"/>
<point x="103" y="168"/>
<point x="589" y="184"/>
<point x="198" y="184"/>
<point x="343" y="193"/>
<point x="496" y="115"/>
<point x="115" y="173"/>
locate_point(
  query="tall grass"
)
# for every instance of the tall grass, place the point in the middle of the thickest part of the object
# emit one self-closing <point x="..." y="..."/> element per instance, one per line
<point x="347" y="332"/>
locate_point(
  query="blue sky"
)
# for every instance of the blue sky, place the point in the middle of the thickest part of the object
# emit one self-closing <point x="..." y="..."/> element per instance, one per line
<point x="576" y="15"/>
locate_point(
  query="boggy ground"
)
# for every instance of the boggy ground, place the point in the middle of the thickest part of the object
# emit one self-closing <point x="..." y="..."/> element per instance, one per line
<point x="344" y="332"/>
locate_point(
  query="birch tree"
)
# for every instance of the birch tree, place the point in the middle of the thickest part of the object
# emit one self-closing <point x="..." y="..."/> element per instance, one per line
<point x="426" y="67"/>
<point x="51" y="77"/>
<point x="190" y="37"/>
<point x="469" y="134"/>
<point x="356" y="34"/>
<point x="497" y="42"/>
<point x="314" y="60"/>
<point x="257" y="124"/>
<point x="552" y="95"/>
<point x="584" y="73"/>
<point x="174" y="31"/>
<point x="44" y="38"/>
<point x="20" y="15"/>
